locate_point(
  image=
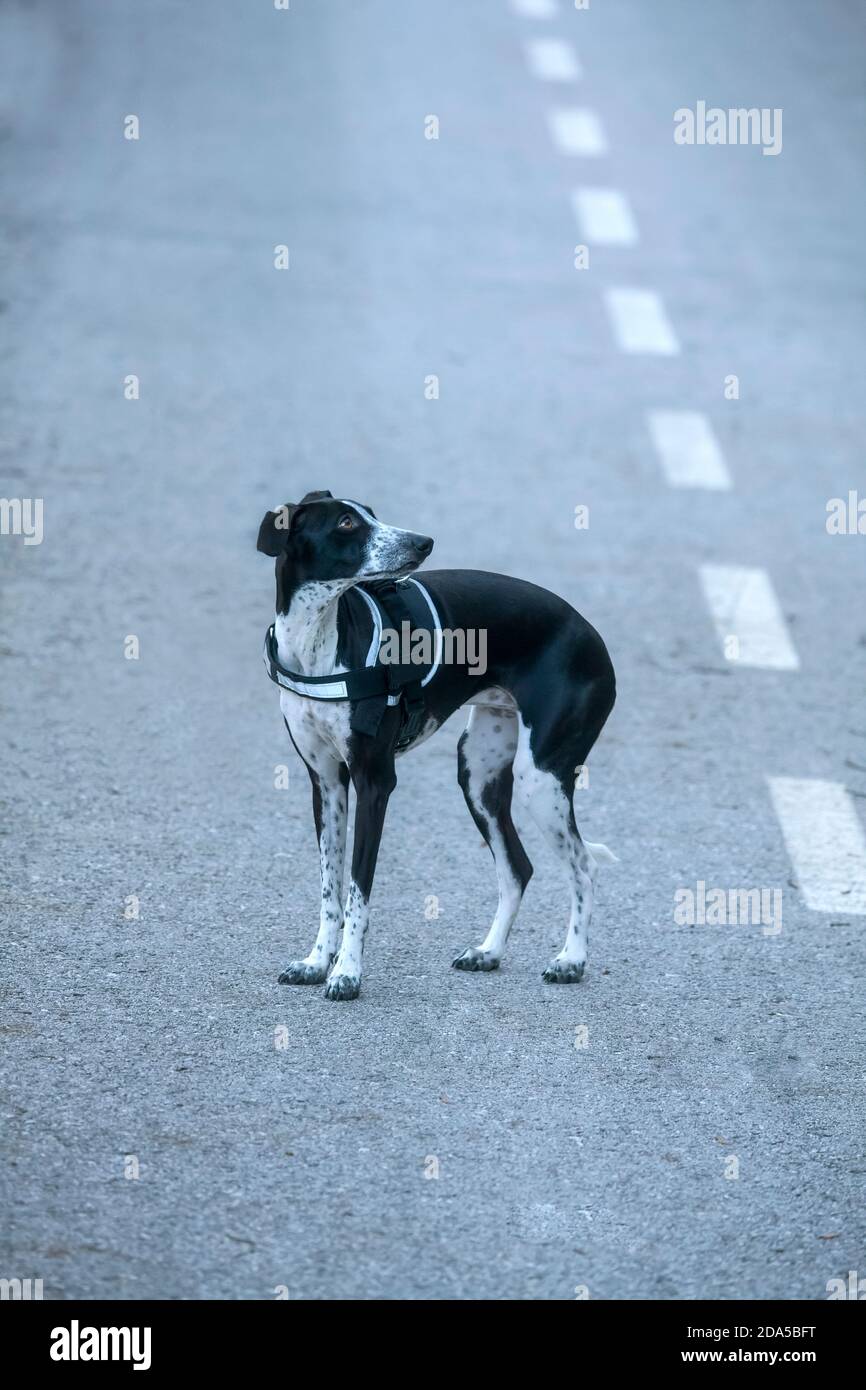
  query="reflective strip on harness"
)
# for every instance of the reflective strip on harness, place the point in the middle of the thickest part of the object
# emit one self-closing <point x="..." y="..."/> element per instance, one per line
<point x="336" y="690"/>
<point x="437" y="631"/>
<point x="364" y="681"/>
<point x="353" y="685"/>
<point x="376" y="640"/>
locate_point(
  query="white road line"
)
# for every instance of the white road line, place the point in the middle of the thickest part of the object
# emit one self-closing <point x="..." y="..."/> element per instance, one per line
<point x="535" y="9"/>
<point x="826" y="842"/>
<point x="640" y="322"/>
<point x="553" y="60"/>
<point x="748" y="618"/>
<point x="604" y="216"/>
<point x="688" y="449"/>
<point x="577" y="130"/>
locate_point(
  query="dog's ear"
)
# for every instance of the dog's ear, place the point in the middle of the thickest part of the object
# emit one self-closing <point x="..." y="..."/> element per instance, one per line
<point x="275" y="528"/>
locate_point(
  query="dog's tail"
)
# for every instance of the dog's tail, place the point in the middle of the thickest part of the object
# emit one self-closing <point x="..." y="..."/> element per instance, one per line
<point x="600" y="853"/>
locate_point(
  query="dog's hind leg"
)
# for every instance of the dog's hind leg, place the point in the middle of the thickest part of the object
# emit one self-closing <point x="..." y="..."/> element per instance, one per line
<point x="484" y="757"/>
<point x="330" y="781"/>
<point x="546" y="784"/>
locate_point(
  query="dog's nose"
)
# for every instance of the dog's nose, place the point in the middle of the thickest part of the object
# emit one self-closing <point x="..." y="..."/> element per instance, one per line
<point x="423" y="545"/>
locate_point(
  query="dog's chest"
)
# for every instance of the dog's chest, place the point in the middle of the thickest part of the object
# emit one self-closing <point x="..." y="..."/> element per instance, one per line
<point x="307" y="640"/>
<point x="319" y="728"/>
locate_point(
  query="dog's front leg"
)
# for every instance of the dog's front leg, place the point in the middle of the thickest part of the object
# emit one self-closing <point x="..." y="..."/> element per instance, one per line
<point x="330" y="812"/>
<point x="373" y="787"/>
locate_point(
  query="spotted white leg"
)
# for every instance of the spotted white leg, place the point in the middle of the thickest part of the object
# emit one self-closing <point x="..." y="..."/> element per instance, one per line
<point x="569" y="965"/>
<point x="344" y="981"/>
<point x="330" y="809"/>
<point x="373" y="784"/>
<point x="484" y="757"/>
<point x="549" y="802"/>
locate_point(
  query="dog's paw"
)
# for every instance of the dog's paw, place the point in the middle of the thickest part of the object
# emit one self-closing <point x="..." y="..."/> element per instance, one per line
<point x="343" y="987"/>
<point x="300" y="972"/>
<point x="564" y="972"/>
<point x="473" y="958"/>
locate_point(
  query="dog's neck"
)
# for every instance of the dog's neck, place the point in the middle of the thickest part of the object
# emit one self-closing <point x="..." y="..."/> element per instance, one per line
<point x="306" y="631"/>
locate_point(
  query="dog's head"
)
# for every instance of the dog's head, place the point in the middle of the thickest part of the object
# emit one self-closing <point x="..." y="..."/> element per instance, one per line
<point x="322" y="538"/>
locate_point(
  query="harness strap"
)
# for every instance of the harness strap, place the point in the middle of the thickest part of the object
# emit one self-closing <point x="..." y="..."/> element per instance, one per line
<point x="405" y="678"/>
<point x="392" y="684"/>
<point x="358" y="684"/>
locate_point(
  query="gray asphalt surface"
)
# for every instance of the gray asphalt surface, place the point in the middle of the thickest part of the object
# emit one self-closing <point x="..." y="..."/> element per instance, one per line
<point x="303" y="1166"/>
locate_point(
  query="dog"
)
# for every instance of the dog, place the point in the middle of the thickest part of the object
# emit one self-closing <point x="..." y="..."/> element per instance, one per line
<point x="534" y="715"/>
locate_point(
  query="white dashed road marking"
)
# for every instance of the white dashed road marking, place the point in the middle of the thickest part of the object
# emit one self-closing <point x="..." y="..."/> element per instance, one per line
<point x="826" y="842"/>
<point x="604" y="217"/>
<point x="688" y="449"/>
<point x="577" y="130"/>
<point x="748" y="618"/>
<point x="825" y="838"/>
<point x="553" y="60"/>
<point x="641" y="323"/>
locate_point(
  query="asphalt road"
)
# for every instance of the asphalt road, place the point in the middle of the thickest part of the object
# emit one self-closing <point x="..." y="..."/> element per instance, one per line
<point x="281" y="1141"/>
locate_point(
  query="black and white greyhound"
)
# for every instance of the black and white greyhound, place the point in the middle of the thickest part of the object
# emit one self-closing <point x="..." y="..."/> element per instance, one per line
<point x="546" y="693"/>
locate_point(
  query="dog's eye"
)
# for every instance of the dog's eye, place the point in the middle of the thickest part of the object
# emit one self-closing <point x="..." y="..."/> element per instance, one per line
<point x="346" y="523"/>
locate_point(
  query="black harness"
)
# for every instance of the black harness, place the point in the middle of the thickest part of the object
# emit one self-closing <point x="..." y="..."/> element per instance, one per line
<point x="372" y="688"/>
